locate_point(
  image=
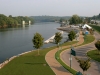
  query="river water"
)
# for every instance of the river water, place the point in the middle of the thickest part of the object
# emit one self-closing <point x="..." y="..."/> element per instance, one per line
<point x="14" y="41"/>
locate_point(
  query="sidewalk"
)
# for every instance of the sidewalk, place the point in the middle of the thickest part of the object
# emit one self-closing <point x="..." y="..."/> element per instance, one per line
<point x="54" y="64"/>
<point x="81" y="52"/>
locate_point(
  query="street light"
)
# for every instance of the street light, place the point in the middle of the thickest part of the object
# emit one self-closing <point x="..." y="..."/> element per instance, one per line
<point x="72" y="52"/>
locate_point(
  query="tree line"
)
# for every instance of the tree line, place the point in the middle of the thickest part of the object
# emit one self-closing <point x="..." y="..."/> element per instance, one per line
<point x="75" y="19"/>
<point x="48" y="18"/>
<point x="96" y="17"/>
<point x="10" y="21"/>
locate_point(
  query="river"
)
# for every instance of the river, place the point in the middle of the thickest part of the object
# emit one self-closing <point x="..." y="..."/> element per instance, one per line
<point x="14" y="41"/>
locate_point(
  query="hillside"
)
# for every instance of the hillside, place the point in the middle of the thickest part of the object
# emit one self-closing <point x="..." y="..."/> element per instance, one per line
<point x="48" y="18"/>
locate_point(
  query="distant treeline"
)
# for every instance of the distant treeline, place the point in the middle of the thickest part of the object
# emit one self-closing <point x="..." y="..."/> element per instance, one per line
<point x="13" y="21"/>
<point x="48" y="18"/>
<point x="96" y="17"/>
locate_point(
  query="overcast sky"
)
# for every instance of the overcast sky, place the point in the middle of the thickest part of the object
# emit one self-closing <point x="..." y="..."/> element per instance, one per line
<point x="50" y="7"/>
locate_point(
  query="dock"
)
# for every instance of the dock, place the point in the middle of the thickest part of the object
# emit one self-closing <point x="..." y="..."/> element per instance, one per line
<point x="51" y="39"/>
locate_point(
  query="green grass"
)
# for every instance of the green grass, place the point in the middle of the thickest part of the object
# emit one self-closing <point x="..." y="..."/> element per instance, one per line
<point x="31" y="64"/>
<point x="63" y="64"/>
<point x="69" y="43"/>
<point x="88" y="39"/>
<point x="94" y="55"/>
<point x="97" y="28"/>
<point x="28" y="64"/>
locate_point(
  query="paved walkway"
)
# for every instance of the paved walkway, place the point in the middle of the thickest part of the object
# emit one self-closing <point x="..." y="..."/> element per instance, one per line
<point x="81" y="53"/>
<point x="54" y="64"/>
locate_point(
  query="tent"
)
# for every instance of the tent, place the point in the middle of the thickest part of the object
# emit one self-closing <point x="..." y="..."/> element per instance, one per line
<point x="86" y="26"/>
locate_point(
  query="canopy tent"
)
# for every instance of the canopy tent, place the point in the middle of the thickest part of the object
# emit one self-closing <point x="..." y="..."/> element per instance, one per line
<point x="86" y="26"/>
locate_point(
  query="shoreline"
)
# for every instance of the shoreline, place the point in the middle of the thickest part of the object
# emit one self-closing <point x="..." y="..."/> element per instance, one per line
<point x="13" y="57"/>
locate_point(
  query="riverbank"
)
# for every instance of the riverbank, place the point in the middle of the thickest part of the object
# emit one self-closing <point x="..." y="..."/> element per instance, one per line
<point x="20" y="38"/>
<point x="31" y="63"/>
<point x="10" y="59"/>
<point x="69" y="28"/>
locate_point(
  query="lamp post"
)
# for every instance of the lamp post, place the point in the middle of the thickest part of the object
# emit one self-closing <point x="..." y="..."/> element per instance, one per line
<point x="72" y="52"/>
<point x="70" y="59"/>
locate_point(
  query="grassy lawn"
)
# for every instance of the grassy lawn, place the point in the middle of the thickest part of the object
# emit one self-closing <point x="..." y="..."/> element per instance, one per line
<point x="94" y="55"/>
<point x="69" y="43"/>
<point x="97" y="28"/>
<point x="88" y="39"/>
<point x="29" y="64"/>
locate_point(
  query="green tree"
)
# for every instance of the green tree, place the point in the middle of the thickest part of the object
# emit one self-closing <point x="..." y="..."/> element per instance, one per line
<point x="10" y="22"/>
<point x="97" y="45"/>
<point x="37" y="41"/>
<point x="87" y="20"/>
<point x="10" y="16"/>
<point x="72" y="35"/>
<point x="3" y="20"/>
<point x="13" y="21"/>
<point x="75" y="19"/>
<point x="2" y="23"/>
<point x="84" y="64"/>
<point x="57" y="38"/>
<point x="61" y="20"/>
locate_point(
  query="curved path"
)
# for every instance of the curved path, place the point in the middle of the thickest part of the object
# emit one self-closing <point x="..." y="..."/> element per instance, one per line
<point x="81" y="53"/>
<point x="54" y="64"/>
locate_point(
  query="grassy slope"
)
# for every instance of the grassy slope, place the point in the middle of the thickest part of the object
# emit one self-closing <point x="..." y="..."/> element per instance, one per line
<point x="97" y="28"/>
<point x="29" y="64"/>
<point x="94" y="55"/>
<point x="88" y="39"/>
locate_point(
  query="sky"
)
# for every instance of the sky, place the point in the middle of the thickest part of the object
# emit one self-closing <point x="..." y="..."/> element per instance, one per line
<point x="49" y="7"/>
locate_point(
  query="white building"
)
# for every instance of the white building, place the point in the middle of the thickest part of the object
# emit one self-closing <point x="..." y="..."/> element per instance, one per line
<point x="23" y="22"/>
<point x="29" y="22"/>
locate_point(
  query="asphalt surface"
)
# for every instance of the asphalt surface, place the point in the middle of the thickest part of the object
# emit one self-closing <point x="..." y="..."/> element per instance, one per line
<point x="81" y="53"/>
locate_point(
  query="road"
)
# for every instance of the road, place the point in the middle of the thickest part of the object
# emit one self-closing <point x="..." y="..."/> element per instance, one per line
<point x="81" y="53"/>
